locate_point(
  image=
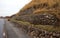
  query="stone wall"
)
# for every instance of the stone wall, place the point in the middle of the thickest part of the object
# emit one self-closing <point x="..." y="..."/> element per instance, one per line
<point x="38" y="33"/>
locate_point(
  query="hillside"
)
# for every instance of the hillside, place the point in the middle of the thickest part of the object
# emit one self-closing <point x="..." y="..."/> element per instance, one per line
<point x="29" y="11"/>
<point x="39" y="15"/>
<point x="37" y="6"/>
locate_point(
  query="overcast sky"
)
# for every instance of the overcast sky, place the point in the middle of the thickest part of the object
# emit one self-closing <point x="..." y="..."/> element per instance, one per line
<point x="10" y="7"/>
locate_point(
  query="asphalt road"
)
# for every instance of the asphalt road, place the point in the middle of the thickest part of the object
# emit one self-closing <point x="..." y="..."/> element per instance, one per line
<point x="11" y="31"/>
<point x="14" y="32"/>
<point x="1" y="27"/>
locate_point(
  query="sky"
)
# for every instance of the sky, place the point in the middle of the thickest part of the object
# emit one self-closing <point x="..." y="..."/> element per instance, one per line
<point x="10" y="7"/>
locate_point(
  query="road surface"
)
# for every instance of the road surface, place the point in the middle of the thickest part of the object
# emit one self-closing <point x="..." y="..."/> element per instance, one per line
<point x="14" y="32"/>
<point x="1" y="27"/>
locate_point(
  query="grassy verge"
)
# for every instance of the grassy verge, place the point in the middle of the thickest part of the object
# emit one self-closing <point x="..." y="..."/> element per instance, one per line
<point x="44" y="27"/>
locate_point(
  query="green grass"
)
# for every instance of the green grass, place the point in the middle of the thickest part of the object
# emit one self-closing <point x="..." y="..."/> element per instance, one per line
<point x="48" y="27"/>
<point x="44" y="27"/>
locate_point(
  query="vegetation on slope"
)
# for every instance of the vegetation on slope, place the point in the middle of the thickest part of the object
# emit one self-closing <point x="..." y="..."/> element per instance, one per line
<point x="46" y="13"/>
<point x="49" y="28"/>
